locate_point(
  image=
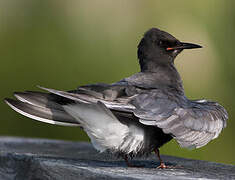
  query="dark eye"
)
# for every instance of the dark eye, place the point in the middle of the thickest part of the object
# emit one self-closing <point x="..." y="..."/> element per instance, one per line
<point x="160" y="43"/>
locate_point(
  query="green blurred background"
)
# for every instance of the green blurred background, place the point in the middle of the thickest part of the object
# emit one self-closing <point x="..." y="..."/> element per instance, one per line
<point x="63" y="44"/>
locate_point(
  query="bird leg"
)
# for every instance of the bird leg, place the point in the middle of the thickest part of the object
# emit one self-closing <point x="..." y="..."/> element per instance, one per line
<point x="162" y="164"/>
<point x="129" y="164"/>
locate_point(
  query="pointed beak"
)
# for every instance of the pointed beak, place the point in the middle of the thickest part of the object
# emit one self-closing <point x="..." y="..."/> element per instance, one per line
<point x="183" y="45"/>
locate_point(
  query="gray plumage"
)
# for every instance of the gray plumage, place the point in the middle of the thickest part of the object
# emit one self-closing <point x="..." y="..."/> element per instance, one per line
<point x="138" y="114"/>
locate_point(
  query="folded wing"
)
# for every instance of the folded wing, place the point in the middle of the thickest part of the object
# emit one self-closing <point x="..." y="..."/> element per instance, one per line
<point x="192" y="124"/>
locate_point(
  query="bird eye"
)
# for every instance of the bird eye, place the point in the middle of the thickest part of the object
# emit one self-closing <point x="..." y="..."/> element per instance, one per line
<point x="163" y="43"/>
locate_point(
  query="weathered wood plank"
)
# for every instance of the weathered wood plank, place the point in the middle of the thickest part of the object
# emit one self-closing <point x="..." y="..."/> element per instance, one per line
<point x="23" y="158"/>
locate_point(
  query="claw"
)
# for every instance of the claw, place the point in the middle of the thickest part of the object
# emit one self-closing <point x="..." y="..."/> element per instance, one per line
<point x="163" y="166"/>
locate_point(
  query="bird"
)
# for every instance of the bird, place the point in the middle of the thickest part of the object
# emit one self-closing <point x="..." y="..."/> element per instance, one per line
<point x="137" y="115"/>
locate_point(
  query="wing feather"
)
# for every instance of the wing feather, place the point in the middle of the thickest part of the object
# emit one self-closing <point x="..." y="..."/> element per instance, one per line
<point x="119" y="106"/>
<point x="47" y="115"/>
<point x="192" y="125"/>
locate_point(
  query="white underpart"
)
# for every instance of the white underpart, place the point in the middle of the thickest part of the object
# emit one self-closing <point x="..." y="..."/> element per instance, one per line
<point x="104" y="129"/>
<point x="135" y="139"/>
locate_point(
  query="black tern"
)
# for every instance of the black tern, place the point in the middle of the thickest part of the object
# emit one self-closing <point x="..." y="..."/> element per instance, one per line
<point x="138" y="114"/>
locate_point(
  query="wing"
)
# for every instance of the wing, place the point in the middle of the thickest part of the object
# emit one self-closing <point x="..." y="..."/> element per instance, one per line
<point x="42" y="107"/>
<point x="114" y="97"/>
<point x="83" y="108"/>
<point x="192" y="123"/>
<point x="49" y="107"/>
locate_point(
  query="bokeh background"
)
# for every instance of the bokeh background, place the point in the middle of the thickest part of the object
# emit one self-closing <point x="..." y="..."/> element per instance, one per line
<point x="63" y="44"/>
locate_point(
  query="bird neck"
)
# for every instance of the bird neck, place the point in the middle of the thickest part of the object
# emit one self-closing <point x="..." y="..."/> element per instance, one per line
<point x="164" y="74"/>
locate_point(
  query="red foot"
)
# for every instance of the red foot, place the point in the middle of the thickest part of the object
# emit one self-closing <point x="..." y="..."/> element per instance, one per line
<point x="163" y="166"/>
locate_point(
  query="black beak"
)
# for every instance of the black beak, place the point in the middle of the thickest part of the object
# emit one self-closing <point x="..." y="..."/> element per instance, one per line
<point x="183" y="45"/>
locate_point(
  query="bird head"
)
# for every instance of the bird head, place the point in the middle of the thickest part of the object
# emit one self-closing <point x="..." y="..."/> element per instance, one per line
<point x="159" y="48"/>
